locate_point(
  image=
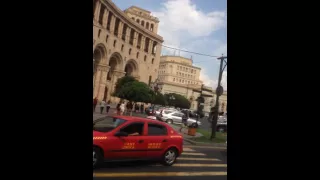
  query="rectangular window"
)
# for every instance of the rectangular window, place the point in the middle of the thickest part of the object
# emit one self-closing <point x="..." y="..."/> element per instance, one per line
<point x="156" y="130"/>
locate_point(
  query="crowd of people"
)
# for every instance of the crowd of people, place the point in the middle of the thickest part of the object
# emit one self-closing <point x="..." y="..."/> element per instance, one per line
<point x="122" y="108"/>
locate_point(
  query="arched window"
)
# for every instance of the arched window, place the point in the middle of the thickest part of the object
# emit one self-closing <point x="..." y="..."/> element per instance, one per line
<point x="147" y="25"/>
<point x="151" y="29"/>
<point x="152" y="60"/>
<point x="129" y="51"/>
<point x="145" y="58"/>
<point x="132" y="18"/>
<point x="99" y="32"/>
<point x="138" y="20"/>
<point x="137" y="55"/>
<point x="142" y="23"/>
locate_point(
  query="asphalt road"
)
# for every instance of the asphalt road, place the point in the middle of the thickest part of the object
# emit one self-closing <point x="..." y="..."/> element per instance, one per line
<point x="199" y="162"/>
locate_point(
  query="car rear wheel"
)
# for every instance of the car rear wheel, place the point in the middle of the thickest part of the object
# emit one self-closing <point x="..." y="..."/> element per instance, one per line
<point x="169" y="121"/>
<point x="97" y="157"/>
<point x="169" y="157"/>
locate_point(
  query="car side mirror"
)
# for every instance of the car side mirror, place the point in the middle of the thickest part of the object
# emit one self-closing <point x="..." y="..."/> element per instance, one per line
<point x="121" y="134"/>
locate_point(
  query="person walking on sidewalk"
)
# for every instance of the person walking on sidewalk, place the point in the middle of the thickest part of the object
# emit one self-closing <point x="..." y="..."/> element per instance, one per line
<point x="102" y="105"/>
<point x="184" y="123"/>
<point x="95" y="102"/>
<point x="108" y="106"/>
<point x="122" y="108"/>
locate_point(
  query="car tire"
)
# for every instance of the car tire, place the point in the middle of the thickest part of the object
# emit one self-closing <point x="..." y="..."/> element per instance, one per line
<point x="97" y="157"/>
<point x="169" y="157"/>
<point x="169" y="121"/>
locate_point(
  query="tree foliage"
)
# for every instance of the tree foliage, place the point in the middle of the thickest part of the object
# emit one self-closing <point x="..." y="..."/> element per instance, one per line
<point x="121" y="82"/>
<point x="130" y="89"/>
<point x="177" y="101"/>
<point x="159" y="99"/>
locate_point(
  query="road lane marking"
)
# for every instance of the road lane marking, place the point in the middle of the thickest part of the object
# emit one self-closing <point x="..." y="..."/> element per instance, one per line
<point x="196" y="165"/>
<point x="193" y="154"/>
<point x="186" y="149"/>
<point x="198" y="159"/>
<point x="206" y="147"/>
<point x="159" y="174"/>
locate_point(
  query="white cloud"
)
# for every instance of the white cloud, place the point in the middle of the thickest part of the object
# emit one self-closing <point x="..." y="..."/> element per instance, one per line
<point x="184" y="26"/>
<point x="180" y="20"/>
<point x="213" y="83"/>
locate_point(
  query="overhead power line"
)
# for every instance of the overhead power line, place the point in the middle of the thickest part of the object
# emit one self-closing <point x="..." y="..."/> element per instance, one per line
<point x="165" y="46"/>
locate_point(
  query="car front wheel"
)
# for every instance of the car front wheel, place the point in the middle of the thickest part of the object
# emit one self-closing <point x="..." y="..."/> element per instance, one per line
<point x="169" y="157"/>
<point x="97" y="157"/>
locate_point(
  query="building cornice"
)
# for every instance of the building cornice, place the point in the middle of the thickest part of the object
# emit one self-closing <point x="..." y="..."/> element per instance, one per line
<point x="131" y="22"/>
<point x="173" y="62"/>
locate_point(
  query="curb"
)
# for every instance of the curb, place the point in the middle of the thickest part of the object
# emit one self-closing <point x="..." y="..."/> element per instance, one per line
<point x="205" y="144"/>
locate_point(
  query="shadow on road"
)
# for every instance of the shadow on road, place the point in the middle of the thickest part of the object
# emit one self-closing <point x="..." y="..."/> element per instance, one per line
<point x="112" y="165"/>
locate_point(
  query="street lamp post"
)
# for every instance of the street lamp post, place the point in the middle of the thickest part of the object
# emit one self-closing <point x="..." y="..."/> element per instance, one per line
<point x="93" y="76"/>
<point x="219" y="92"/>
<point x="156" y="89"/>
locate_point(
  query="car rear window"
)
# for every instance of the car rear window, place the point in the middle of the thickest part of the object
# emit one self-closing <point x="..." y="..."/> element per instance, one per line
<point x="157" y="130"/>
<point x="167" y="112"/>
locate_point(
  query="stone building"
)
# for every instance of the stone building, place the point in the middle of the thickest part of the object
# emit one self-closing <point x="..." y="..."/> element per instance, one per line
<point x="124" y="43"/>
<point x="178" y="75"/>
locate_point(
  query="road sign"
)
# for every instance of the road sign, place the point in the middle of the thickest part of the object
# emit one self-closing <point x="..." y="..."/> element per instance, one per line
<point x="219" y="90"/>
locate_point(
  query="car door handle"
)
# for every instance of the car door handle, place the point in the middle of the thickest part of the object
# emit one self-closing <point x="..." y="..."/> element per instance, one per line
<point x="140" y="141"/>
<point x="165" y="140"/>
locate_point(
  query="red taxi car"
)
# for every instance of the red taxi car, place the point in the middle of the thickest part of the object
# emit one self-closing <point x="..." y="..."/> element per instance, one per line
<point x="133" y="138"/>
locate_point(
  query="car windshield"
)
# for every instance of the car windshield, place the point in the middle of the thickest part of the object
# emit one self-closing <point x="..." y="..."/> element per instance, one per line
<point x="107" y="124"/>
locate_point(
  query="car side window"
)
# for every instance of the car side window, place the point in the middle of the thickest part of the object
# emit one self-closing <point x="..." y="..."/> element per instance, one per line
<point x="177" y="114"/>
<point x="157" y="130"/>
<point x="134" y="129"/>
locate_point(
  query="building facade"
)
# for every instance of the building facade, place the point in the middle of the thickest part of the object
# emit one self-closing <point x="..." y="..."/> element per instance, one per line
<point x="124" y="43"/>
<point x="178" y="75"/>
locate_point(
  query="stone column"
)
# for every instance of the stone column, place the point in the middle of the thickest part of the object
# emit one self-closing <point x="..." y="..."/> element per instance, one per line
<point x="96" y="14"/>
<point x="97" y="83"/>
<point x="135" y="40"/>
<point x="128" y="34"/>
<point x="105" y="18"/>
<point x="150" y="46"/>
<point x="112" y="24"/>
<point x="120" y="28"/>
<point x="143" y="43"/>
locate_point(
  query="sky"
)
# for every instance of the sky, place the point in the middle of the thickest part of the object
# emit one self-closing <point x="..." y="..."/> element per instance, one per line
<point x="193" y="25"/>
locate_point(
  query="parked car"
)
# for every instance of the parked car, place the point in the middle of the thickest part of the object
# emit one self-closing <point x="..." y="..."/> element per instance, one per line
<point x="222" y="126"/>
<point x="175" y="117"/>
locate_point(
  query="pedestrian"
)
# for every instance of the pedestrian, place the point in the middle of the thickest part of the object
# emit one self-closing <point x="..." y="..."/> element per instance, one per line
<point x="141" y="108"/>
<point x="102" y="105"/>
<point x="122" y="108"/>
<point x="184" y="122"/>
<point x="95" y="102"/>
<point x="108" y="106"/>
<point x="118" y="108"/>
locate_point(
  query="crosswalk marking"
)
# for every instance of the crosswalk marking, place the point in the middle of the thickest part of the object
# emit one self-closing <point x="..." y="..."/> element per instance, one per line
<point x="196" y="165"/>
<point x="205" y="147"/>
<point x="150" y="174"/>
<point x="186" y="149"/>
<point x="193" y="154"/>
<point x="198" y="159"/>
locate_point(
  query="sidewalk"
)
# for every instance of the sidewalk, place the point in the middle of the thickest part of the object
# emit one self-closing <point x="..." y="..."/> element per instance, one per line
<point x="112" y="110"/>
<point x="184" y="132"/>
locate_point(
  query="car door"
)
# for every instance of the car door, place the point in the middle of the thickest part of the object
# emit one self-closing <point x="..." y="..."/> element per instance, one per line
<point x="157" y="139"/>
<point x="131" y="146"/>
<point x="177" y="117"/>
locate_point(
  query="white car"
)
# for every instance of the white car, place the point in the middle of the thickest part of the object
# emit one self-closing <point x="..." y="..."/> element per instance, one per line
<point x="175" y="117"/>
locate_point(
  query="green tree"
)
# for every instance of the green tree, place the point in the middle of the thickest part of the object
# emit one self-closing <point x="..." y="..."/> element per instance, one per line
<point x="121" y="82"/>
<point x="135" y="91"/>
<point x="177" y="100"/>
<point x="159" y="99"/>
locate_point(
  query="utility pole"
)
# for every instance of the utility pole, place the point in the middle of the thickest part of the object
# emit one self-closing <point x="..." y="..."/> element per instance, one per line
<point x="219" y="92"/>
